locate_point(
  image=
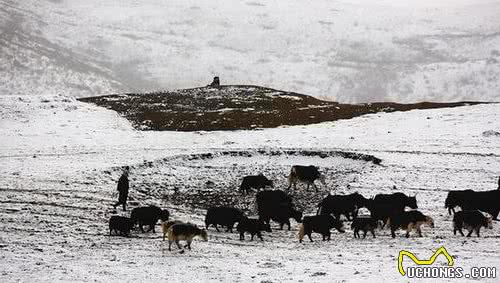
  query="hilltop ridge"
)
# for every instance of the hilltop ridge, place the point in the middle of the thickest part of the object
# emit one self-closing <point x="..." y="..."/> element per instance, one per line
<point x="237" y="107"/>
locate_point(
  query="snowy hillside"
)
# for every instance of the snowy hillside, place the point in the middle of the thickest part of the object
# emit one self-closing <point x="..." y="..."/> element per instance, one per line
<point x="61" y="157"/>
<point x="348" y="51"/>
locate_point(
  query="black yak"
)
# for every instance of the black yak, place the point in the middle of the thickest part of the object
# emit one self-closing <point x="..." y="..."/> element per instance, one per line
<point x="304" y="174"/>
<point x="485" y="201"/>
<point x="320" y="224"/>
<point x="257" y="182"/>
<point x="121" y="225"/>
<point x="148" y="215"/>
<point x="224" y="216"/>
<point x="456" y="198"/>
<point x="364" y="224"/>
<point x="252" y="226"/>
<point x="278" y="206"/>
<point x="385" y="205"/>
<point x="399" y="200"/>
<point x="346" y="205"/>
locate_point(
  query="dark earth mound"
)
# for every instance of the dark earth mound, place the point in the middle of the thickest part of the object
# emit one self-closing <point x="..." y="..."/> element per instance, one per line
<point x="235" y="107"/>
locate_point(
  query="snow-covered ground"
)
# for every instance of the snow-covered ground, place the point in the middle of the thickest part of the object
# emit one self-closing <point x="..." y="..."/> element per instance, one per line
<point x="350" y="51"/>
<point x="60" y="158"/>
<point x="59" y="166"/>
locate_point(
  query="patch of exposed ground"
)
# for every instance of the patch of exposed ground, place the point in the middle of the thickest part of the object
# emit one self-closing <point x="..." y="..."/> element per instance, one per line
<point x="236" y="107"/>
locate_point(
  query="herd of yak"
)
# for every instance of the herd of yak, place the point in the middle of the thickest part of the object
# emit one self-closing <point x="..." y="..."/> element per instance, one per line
<point x="385" y="210"/>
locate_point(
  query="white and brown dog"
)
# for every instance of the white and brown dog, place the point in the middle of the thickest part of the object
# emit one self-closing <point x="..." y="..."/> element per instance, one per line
<point x="184" y="232"/>
<point x="409" y="220"/>
<point x="472" y="220"/>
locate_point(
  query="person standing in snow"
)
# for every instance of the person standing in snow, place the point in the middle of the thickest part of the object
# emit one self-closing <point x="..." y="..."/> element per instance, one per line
<point x="123" y="187"/>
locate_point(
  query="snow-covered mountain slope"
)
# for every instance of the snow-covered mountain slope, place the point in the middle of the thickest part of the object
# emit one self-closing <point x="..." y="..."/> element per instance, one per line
<point x="59" y="165"/>
<point x="349" y="51"/>
<point x="58" y="125"/>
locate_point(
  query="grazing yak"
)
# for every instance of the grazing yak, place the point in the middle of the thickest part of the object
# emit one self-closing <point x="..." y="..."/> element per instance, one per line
<point x="252" y="226"/>
<point x="346" y="205"/>
<point x="283" y="213"/>
<point x="278" y="206"/>
<point x="382" y="212"/>
<point x="148" y="215"/>
<point x="471" y="220"/>
<point x="121" y="225"/>
<point x="165" y="225"/>
<point x="305" y="174"/>
<point x="257" y="182"/>
<point x="321" y="224"/>
<point x="224" y="216"/>
<point x="384" y="206"/>
<point x="456" y="198"/>
<point x="273" y="196"/>
<point x="184" y="232"/>
<point x="485" y="201"/>
<point x="397" y="199"/>
<point x="364" y="224"/>
<point x="409" y="220"/>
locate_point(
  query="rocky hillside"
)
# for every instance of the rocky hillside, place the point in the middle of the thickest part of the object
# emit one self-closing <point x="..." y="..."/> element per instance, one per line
<point x="237" y="107"/>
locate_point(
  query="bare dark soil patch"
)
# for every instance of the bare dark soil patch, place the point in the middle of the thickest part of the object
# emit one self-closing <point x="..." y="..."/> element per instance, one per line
<point x="238" y="108"/>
